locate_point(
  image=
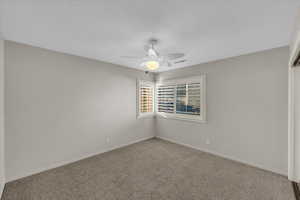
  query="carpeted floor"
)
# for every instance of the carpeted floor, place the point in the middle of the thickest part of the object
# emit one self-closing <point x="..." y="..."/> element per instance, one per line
<point x="152" y="170"/>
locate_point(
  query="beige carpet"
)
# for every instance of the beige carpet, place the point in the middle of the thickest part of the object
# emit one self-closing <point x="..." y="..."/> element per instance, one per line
<point x="152" y="170"/>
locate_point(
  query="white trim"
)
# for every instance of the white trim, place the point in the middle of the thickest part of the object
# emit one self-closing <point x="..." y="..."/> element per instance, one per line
<point x="62" y="163"/>
<point x="145" y="115"/>
<point x="291" y="128"/>
<point x="295" y="42"/>
<point x="2" y="146"/>
<point x="175" y="117"/>
<point x="192" y="118"/>
<point x="203" y="98"/>
<point x="274" y="170"/>
<point x="293" y="132"/>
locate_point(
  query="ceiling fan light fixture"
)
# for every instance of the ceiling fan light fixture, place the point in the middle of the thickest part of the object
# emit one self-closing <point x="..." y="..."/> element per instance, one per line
<point x="152" y="65"/>
<point x="154" y="60"/>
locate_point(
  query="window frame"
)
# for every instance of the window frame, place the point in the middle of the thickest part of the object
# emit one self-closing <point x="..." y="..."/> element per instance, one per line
<point x="177" y="81"/>
<point x="148" y="114"/>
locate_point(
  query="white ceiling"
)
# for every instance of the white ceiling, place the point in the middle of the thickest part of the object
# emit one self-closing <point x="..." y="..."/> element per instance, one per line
<point x="205" y="30"/>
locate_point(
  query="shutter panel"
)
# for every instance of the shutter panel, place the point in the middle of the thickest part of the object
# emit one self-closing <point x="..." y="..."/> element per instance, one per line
<point x="179" y="99"/>
<point x="188" y="99"/>
<point x="165" y="98"/>
<point x="193" y="102"/>
<point x="146" y="98"/>
<point x="182" y="98"/>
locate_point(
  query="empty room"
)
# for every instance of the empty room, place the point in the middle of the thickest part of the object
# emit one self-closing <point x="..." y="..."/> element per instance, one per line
<point x="149" y="100"/>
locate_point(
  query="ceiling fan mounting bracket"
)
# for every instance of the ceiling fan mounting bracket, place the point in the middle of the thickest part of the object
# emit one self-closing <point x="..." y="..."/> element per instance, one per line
<point x="153" y="41"/>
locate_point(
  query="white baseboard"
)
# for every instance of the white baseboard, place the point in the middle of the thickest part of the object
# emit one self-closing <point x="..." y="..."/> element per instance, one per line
<point x="276" y="171"/>
<point x="59" y="164"/>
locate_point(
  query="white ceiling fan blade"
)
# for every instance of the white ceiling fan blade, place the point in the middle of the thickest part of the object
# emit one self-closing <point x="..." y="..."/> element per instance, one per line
<point x="180" y="61"/>
<point x="174" y="56"/>
<point x="132" y="57"/>
<point x="170" y="64"/>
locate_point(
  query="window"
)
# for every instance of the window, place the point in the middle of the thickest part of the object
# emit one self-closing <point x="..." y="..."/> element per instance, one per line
<point x="182" y="99"/>
<point x="145" y="98"/>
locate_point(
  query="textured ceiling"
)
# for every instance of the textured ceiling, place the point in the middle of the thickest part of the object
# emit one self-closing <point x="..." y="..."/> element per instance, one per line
<point x="105" y="30"/>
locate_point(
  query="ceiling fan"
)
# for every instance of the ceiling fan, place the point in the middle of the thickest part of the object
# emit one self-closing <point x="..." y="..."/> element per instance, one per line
<point x="153" y="60"/>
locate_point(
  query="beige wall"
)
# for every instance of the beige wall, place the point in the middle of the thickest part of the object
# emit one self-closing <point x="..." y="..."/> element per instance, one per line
<point x="60" y="108"/>
<point x="2" y="166"/>
<point x="247" y="104"/>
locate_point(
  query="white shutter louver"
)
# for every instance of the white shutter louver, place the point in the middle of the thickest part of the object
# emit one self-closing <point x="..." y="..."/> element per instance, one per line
<point x="165" y="98"/>
<point x="145" y="98"/>
<point x="182" y="98"/>
<point x="188" y="99"/>
<point x="193" y="102"/>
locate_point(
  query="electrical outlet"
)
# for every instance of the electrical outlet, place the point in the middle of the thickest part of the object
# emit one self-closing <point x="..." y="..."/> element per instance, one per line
<point x="207" y="141"/>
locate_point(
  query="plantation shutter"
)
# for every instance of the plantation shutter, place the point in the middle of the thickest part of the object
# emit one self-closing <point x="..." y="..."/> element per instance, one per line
<point x="193" y="101"/>
<point x="183" y="98"/>
<point x="166" y="98"/>
<point x="146" y="98"/>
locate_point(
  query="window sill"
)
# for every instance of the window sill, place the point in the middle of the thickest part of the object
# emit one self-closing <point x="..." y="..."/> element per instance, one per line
<point x="200" y="121"/>
<point x="145" y="115"/>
